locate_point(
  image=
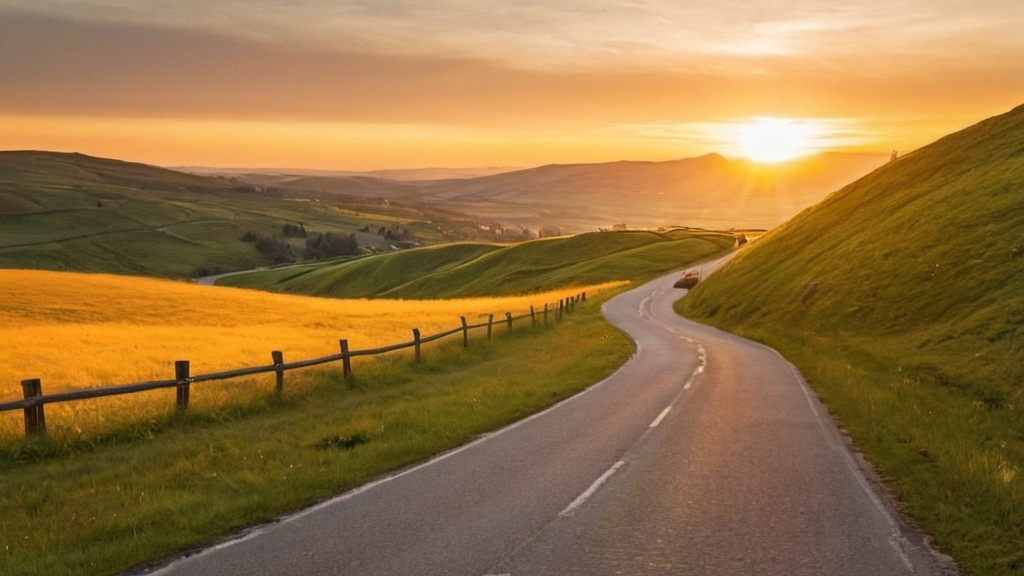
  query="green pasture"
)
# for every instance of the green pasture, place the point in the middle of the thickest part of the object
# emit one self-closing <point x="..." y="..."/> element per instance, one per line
<point x="466" y="269"/>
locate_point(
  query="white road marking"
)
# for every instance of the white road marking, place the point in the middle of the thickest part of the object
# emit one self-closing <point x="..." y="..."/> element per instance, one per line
<point x="662" y="415"/>
<point x="645" y="303"/>
<point x="593" y="488"/>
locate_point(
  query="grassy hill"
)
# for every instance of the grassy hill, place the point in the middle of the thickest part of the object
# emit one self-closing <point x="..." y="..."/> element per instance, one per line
<point x="79" y="213"/>
<point x="465" y="269"/>
<point x="901" y="298"/>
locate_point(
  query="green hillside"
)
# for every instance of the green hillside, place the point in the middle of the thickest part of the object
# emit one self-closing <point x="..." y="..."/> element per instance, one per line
<point x="75" y="212"/>
<point x="464" y="269"/>
<point x="901" y="298"/>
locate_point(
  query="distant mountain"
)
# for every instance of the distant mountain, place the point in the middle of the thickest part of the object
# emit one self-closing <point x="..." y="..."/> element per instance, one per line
<point x="399" y="175"/>
<point x="901" y="298"/>
<point x="710" y="191"/>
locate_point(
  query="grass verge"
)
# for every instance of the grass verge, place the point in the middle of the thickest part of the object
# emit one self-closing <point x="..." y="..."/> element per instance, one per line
<point x="103" y="508"/>
<point x="951" y="458"/>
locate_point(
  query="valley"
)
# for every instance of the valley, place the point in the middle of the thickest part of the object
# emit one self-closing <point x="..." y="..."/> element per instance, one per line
<point x="79" y="213"/>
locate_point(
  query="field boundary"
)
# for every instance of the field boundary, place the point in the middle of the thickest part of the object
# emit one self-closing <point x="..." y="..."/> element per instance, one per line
<point x="34" y="400"/>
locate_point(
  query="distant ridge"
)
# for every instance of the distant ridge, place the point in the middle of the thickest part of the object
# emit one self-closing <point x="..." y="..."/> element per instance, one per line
<point x="709" y="191"/>
<point x="399" y="175"/>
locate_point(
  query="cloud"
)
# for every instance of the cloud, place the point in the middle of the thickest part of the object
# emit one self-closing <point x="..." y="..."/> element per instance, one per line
<point x="630" y="68"/>
<point x="570" y="34"/>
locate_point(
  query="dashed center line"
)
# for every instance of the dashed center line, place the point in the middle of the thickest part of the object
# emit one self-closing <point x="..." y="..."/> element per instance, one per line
<point x="593" y="488"/>
<point x="661" y="416"/>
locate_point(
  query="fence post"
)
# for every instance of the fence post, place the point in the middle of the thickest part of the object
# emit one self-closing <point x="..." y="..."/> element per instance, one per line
<point x="508" y="317"/>
<point x="416" y="342"/>
<point x="545" y="313"/>
<point x="35" y="418"/>
<point x="533" y="316"/>
<point x="561" y="308"/>
<point x="490" y="323"/>
<point x="583" y="297"/>
<point x="181" y="374"/>
<point x="346" y="360"/>
<point x="278" y="358"/>
<point x="465" y="332"/>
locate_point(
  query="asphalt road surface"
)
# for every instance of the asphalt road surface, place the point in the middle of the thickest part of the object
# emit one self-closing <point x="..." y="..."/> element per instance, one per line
<point x="706" y="454"/>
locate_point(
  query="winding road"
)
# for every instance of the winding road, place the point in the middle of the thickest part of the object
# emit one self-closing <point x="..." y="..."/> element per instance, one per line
<point x="705" y="454"/>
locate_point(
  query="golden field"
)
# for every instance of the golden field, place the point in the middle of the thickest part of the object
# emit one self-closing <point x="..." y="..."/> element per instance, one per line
<point x="85" y="330"/>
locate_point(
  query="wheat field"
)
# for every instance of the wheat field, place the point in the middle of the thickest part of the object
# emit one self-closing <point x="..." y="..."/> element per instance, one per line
<point x="76" y="330"/>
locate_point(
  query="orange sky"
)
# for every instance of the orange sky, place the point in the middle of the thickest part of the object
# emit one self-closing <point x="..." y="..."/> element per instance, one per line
<point x="370" y="84"/>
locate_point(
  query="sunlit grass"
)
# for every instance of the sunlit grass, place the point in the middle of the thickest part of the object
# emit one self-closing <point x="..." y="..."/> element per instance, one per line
<point x="195" y="477"/>
<point x="86" y="330"/>
<point x="464" y="269"/>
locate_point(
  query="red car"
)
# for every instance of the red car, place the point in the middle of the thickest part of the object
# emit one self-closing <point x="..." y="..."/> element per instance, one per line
<point x="688" y="280"/>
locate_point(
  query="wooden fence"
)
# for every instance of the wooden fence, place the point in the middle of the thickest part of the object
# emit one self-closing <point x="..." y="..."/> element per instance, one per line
<point x="34" y="400"/>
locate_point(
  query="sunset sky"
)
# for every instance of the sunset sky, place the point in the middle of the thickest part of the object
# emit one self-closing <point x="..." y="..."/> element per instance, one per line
<point x="371" y="84"/>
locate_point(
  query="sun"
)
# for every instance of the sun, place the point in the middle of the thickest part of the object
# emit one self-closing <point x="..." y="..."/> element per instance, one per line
<point x="772" y="140"/>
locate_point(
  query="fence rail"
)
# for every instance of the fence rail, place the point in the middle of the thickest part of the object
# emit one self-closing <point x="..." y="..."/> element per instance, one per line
<point x="34" y="399"/>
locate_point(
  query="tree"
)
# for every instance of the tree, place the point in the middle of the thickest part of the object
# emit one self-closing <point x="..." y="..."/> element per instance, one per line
<point x="294" y="231"/>
<point x="331" y="244"/>
<point x="277" y="249"/>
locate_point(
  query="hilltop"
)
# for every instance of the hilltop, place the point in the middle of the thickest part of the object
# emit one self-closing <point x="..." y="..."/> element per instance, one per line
<point x="901" y="298"/>
<point x="76" y="212"/>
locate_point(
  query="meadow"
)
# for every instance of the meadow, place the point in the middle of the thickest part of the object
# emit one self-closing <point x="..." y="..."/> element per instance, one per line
<point x="85" y="330"/>
<point x="176" y="482"/>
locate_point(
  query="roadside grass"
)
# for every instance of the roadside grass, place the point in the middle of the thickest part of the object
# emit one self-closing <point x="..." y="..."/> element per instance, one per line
<point x="460" y="270"/>
<point x="901" y="299"/>
<point x="87" y="330"/>
<point x="953" y="461"/>
<point x="190" y="478"/>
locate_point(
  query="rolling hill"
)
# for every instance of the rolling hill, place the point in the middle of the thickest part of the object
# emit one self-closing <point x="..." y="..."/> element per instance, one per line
<point x="76" y="212"/>
<point x="901" y="298"/>
<point x="467" y="269"/>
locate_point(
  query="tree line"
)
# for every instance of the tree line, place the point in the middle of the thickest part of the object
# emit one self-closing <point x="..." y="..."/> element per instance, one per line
<point x="317" y="245"/>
